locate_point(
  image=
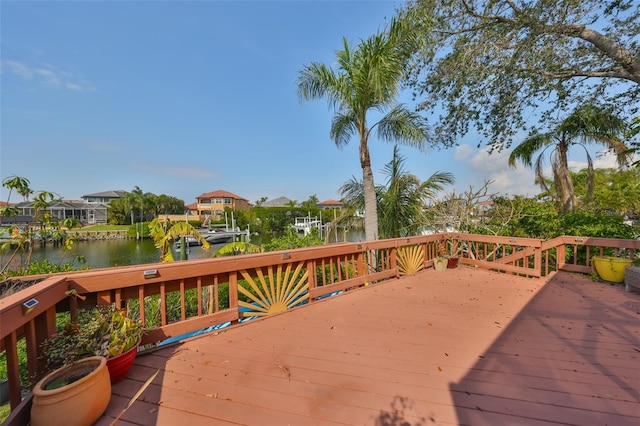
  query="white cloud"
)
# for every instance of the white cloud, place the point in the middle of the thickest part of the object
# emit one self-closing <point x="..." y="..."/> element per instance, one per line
<point x="602" y="160"/>
<point x="483" y="166"/>
<point x="47" y="75"/>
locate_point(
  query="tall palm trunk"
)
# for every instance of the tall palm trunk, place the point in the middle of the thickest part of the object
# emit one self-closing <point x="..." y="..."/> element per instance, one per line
<point x="370" y="202"/>
<point x="562" y="178"/>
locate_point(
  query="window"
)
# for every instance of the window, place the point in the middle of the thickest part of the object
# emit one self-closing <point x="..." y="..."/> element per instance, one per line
<point x="218" y="201"/>
<point x="227" y="200"/>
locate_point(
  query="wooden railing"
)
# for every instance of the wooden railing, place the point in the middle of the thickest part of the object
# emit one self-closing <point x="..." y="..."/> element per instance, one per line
<point x="174" y="299"/>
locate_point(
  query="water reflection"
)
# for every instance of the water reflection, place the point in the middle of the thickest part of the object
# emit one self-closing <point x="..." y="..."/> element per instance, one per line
<point x="110" y="253"/>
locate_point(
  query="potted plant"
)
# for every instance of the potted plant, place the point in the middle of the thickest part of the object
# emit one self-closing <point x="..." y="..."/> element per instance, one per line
<point x="100" y="331"/>
<point x="610" y="268"/>
<point x="75" y="394"/>
<point x="448" y="252"/>
<point x="440" y="263"/>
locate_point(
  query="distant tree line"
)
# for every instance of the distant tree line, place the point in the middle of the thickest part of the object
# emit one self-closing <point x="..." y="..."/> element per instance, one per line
<point x="139" y="206"/>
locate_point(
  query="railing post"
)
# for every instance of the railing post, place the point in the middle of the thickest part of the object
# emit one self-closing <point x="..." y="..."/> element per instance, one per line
<point x="311" y="276"/>
<point x="44" y="327"/>
<point x="233" y="292"/>
<point x="537" y="260"/>
<point x="362" y="269"/>
<point x="394" y="260"/>
<point x="13" y="369"/>
<point x="561" y="256"/>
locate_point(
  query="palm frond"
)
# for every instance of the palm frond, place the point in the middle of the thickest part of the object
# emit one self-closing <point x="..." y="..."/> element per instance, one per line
<point x="403" y="126"/>
<point x="343" y="128"/>
<point x="525" y="150"/>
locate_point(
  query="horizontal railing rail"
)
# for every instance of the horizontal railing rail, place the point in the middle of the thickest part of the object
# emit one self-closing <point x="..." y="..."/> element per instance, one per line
<point x="175" y="299"/>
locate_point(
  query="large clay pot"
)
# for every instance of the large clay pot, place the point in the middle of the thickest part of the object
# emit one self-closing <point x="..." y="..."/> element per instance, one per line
<point x="80" y="402"/>
<point x="120" y="365"/>
<point x="452" y="262"/>
<point x="611" y="268"/>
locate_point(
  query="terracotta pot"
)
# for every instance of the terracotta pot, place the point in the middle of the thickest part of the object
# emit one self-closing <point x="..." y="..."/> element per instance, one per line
<point x="452" y="262"/>
<point x="120" y="365"/>
<point x="81" y="402"/>
<point x="611" y="268"/>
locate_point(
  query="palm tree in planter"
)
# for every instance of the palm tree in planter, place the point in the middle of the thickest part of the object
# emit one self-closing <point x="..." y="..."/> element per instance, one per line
<point x="588" y="124"/>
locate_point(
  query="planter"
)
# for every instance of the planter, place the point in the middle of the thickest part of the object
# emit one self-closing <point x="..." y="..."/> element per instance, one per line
<point x="120" y="365"/>
<point x="4" y="391"/>
<point x="611" y="268"/>
<point x="440" y="264"/>
<point x="80" y="400"/>
<point x="452" y="262"/>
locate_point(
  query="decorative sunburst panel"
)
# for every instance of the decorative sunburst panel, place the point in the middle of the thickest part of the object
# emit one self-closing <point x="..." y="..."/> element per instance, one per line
<point x="278" y="291"/>
<point x="410" y="259"/>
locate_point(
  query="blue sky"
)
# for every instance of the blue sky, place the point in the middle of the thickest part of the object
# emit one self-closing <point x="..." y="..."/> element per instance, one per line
<point x="182" y="98"/>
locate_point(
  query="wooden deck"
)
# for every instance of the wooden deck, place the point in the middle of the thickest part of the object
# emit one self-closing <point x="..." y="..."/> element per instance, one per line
<point x="465" y="346"/>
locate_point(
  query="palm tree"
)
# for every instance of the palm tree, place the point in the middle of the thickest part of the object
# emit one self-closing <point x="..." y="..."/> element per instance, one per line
<point x="367" y="80"/>
<point x="401" y="202"/>
<point x="164" y="233"/>
<point x="589" y="124"/>
<point x="21" y="186"/>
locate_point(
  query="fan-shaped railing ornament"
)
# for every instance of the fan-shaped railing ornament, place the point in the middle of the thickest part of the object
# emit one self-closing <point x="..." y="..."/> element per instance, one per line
<point x="275" y="292"/>
<point x="410" y="259"/>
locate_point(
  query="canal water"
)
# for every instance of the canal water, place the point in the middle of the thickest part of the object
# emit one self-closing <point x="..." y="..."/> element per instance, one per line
<point x="110" y="253"/>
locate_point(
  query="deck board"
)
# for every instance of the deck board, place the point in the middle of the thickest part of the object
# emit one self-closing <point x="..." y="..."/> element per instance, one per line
<point x="465" y="346"/>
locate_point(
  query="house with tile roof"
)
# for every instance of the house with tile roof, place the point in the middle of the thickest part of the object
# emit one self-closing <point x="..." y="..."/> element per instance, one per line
<point x="212" y="204"/>
<point x="331" y="204"/>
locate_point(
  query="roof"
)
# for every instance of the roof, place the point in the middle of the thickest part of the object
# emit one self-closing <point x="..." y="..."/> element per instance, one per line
<point x="192" y="206"/>
<point x="331" y="203"/>
<point x="109" y="194"/>
<point x="220" y="194"/>
<point x="277" y="202"/>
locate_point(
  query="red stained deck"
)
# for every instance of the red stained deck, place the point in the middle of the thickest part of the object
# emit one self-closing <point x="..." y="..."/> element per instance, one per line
<point x="465" y="346"/>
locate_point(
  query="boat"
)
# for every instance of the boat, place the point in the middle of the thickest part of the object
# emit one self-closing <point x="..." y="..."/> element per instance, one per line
<point x="190" y="241"/>
<point x="217" y="236"/>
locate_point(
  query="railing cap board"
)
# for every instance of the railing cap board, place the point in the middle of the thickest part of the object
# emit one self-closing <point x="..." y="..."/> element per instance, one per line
<point x="518" y="241"/>
<point x="110" y="278"/>
<point x="605" y="242"/>
<point x="47" y="293"/>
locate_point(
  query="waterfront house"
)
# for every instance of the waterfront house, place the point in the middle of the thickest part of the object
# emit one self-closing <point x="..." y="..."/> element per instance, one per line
<point x="104" y="197"/>
<point x="87" y="213"/>
<point x="212" y="204"/>
<point x="331" y="204"/>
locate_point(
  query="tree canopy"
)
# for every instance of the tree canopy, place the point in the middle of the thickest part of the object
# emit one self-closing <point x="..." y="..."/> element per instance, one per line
<point x="588" y="124"/>
<point x="501" y="66"/>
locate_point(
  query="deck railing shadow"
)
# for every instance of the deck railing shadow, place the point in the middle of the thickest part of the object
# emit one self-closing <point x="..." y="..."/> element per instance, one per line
<point x="553" y="363"/>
